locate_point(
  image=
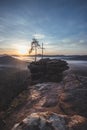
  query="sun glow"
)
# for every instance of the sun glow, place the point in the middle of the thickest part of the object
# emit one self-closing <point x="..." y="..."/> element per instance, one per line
<point x="22" y="50"/>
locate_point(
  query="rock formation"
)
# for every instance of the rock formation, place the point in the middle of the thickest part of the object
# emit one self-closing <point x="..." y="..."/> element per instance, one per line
<point x="51" y="121"/>
<point x="47" y="70"/>
<point x="73" y="100"/>
<point x="56" y="106"/>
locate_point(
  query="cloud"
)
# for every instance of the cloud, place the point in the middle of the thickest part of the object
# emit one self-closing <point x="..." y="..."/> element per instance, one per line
<point x="46" y="43"/>
<point x="81" y="41"/>
<point x="66" y="40"/>
<point x="39" y="36"/>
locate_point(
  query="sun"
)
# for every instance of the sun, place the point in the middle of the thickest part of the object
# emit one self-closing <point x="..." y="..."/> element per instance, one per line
<point x="22" y="50"/>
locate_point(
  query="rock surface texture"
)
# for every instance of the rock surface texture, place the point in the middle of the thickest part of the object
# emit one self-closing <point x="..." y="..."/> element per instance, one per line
<point x="73" y="100"/>
<point x="51" y="121"/>
<point x="54" y="106"/>
<point x="47" y="70"/>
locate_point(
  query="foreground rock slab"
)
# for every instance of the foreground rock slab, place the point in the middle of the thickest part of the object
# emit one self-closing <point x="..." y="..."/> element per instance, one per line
<point x="66" y="100"/>
<point x="51" y="121"/>
<point x="73" y="99"/>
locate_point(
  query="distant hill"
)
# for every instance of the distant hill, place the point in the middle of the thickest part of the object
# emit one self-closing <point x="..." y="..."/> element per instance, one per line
<point x="77" y="57"/>
<point x="13" y="79"/>
<point x="65" y="57"/>
<point x="6" y="59"/>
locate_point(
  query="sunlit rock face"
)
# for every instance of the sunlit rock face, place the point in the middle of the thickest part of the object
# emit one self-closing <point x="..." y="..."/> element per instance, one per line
<point x="58" y="106"/>
<point x="51" y="121"/>
<point x="47" y="70"/>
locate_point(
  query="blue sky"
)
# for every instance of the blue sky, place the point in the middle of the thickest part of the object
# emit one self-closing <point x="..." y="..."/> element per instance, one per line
<point x="60" y="24"/>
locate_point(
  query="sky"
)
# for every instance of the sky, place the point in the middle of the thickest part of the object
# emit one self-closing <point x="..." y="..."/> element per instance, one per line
<point x="60" y="24"/>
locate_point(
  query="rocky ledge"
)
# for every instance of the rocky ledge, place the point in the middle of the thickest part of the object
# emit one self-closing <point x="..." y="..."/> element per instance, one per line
<point x="51" y="121"/>
<point x="54" y="106"/>
<point x="47" y="70"/>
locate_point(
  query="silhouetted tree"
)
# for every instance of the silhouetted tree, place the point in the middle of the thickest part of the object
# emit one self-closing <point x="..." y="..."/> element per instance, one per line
<point x="34" y="46"/>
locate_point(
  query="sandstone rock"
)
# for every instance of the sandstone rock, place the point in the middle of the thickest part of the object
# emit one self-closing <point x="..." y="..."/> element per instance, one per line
<point x="73" y="99"/>
<point x="47" y="70"/>
<point x="51" y="121"/>
<point x="67" y="98"/>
